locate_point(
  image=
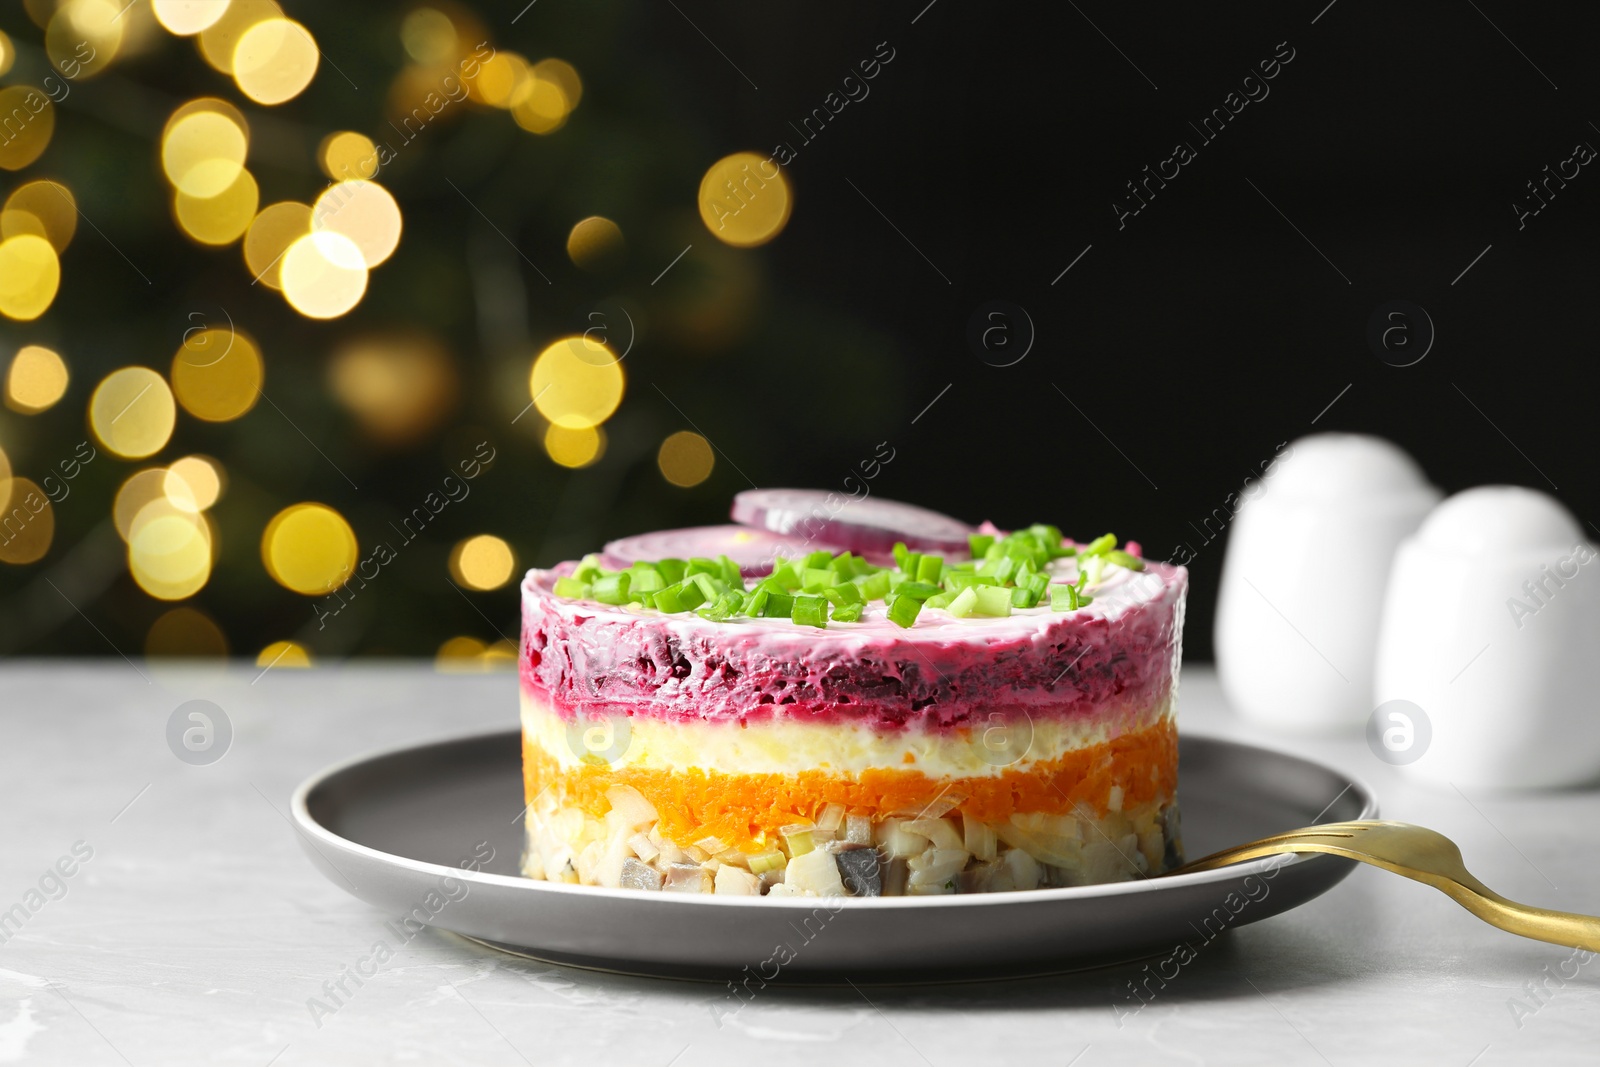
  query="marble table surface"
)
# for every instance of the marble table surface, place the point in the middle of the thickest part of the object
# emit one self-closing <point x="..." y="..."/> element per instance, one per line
<point x="168" y="916"/>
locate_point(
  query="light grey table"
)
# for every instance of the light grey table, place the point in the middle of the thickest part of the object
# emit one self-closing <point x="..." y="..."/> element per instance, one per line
<point x="197" y="932"/>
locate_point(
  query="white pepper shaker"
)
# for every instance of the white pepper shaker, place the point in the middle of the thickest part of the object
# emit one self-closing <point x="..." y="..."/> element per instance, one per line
<point x="1304" y="576"/>
<point x="1492" y="629"/>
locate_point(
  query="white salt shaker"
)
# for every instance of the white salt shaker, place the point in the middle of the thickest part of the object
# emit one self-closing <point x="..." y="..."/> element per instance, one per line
<point x="1492" y="629"/>
<point x="1304" y="576"/>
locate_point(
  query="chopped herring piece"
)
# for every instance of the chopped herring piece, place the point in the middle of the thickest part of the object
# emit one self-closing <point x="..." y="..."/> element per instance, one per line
<point x="861" y="870"/>
<point x="639" y="875"/>
<point x="687" y="878"/>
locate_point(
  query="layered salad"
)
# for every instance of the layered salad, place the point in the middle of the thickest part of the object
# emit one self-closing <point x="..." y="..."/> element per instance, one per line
<point x="877" y="704"/>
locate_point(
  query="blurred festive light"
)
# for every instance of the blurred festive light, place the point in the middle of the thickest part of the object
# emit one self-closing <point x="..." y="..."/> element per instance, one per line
<point x="44" y="208"/>
<point x="576" y="383"/>
<point x="30" y="274"/>
<point x="398" y="386"/>
<point x="28" y="523"/>
<point x="132" y="412"/>
<point x="139" y="489"/>
<point x="220" y="219"/>
<point x="501" y="655"/>
<point x="308" y="548"/>
<point x="744" y="199"/>
<point x="460" y="654"/>
<point x="323" y="275"/>
<point x="214" y="104"/>
<point x="284" y="654"/>
<point x="347" y="156"/>
<point x="84" y="36"/>
<point x="8" y="54"/>
<point x="169" y="551"/>
<point x="504" y="80"/>
<point x="187" y="17"/>
<point x="217" y="374"/>
<point x="185" y="631"/>
<point x="483" y="562"/>
<point x="596" y="244"/>
<point x="193" y="483"/>
<point x="363" y="211"/>
<point x="270" y="236"/>
<point x="574" y="447"/>
<point x="30" y="120"/>
<point x="685" y="459"/>
<point x="563" y="75"/>
<point x="429" y="36"/>
<point x="543" y="107"/>
<point x="203" y="153"/>
<point x="218" y="40"/>
<point x="5" y="481"/>
<point x="274" y="60"/>
<point x="36" y="379"/>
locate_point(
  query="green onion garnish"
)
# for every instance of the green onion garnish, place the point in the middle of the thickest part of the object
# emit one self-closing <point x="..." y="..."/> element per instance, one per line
<point x="816" y="579"/>
<point x="901" y="553"/>
<point x="755" y="602"/>
<point x="848" y="612"/>
<point x="612" y="588"/>
<point x="840" y="595"/>
<point x="979" y="543"/>
<point x="992" y="600"/>
<point x="964" y="603"/>
<point x="1125" y="559"/>
<point x="572" y="588"/>
<point x="810" y="611"/>
<point x="779" y="606"/>
<point x="903" y="610"/>
<point x="929" y="568"/>
<point x="672" y="570"/>
<point x="875" y="586"/>
<point x="916" y="590"/>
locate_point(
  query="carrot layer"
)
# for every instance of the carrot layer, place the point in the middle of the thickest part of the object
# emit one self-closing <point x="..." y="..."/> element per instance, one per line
<point x="746" y="810"/>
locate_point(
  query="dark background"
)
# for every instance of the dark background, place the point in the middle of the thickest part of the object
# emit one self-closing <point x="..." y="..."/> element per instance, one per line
<point x="1211" y="327"/>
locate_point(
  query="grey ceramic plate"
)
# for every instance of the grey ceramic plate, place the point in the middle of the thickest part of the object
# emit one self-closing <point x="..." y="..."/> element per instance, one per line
<point x="404" y="829"/>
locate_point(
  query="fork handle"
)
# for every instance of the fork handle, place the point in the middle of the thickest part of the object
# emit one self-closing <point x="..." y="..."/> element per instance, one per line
<point x="1542" y="924"/>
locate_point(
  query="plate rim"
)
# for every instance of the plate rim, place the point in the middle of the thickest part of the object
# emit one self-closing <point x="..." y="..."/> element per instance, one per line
<point x="308" y="824"/>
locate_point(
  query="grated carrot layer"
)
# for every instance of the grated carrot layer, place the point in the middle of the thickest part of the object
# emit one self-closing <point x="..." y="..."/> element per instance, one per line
<point x="747" y="810"/>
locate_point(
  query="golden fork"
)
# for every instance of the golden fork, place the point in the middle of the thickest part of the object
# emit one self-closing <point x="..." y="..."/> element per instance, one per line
<point x="1424" y="856"/>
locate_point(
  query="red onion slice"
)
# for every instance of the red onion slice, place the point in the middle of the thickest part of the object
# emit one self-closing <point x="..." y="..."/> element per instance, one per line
<point x="751" y="549"/>
<point x="869" y="526"/>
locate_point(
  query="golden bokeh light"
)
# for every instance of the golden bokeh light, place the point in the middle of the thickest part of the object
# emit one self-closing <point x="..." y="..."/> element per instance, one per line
<point x="270" y="236"/>
<point x="140" y="489"/>
<point x="398" y="386"/>
<point x="483" y="562"/>
<point x="685" y="459"/>
<point x="84" y="36"/>
<point x="30" y="120"/>
<point x="543" y="107"/>
<point x="27" y="521"/>
<point x="284" y="654"/>
<point x="460" y="654"/>
<point x="323" y="275"/>
<point x="504" y="80"/>
<point x="30" y="274"/>
<point x="35" y="381"/>
<point x="218" y="40"/>
<point x="365" y="212"/>
<point x="217" y="374"/>
<point x="169" y="551"/>
<point x="574" y="447"/>
<point x="308" y="548"/>
<point x="220" y="219"/>
<point x="8" y="54"/>
<point x="193" y="483"/>
<point x="203" y="153"/>
<point x="502" y="655"/>
<point x="185" y="632"/>
<point x="744" y="200"/>
<point x="429" y="36"/>
<point x="347" y="156"/>
<point x="274" y="60"/>
<point x="132" y="412"/>
<point x="44" y="208"/>
<point x="188" y="17"/>
<point x="576" y="383"/>
<point x="5" y="480"/>
<point x="562" y="74"/>
<point x="214" y="104"/>
<point x="595" y="244"/>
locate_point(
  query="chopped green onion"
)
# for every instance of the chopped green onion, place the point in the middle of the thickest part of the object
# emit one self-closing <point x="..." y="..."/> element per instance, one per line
<point x="875" y="586"/>
<point x="992" y="600"/>
<point x="701" y="565"/>
<point x="941" y="601"/>
<point x="756" y="602"/>
<point x="725" y="606"/>
<point x="612" y="588"/>
<point x="840" y="595"/>
<point x="1099" y="546"/>
<point x="916" y="590"/>
<point x="810" y="611"/>
<point x="979" y="543"/>
<point x="901" y="554"/>
<point x="682" y="596"/>
<point x="646" y="579"/>
<point x="903" y="610"/>
<point x="816" y="579"/>
<point x="730" y="572"/>
<point x="964" y="603"/>
<point x="848" y="612"/>
<point x="929" y="568"/>
<point x="762" y="862"/>
<point x="711" y="586"/>
<point x="572" y="588"/>
<point x="589" y="569"/>
<point x="1062" y="598"/>
<point x="778" y="606"/>
<point x="819" y="558"/>
<point x="785" y="576"/>
<point x="672" y="570"/>
<point x="1023" y="597"/>
<point x="962" y="580"/>
<point x="912" y="564"/>
<point x="1125" y="559"/>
